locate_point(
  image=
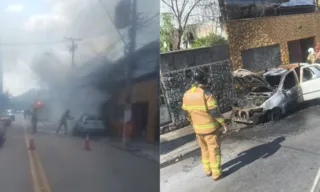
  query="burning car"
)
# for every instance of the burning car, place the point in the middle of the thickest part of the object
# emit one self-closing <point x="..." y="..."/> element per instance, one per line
<point x="273" y="92"/>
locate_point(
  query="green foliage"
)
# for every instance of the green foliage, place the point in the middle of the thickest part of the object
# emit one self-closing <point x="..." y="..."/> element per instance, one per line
<point x="166" y="32"/>
<point x="208" y="41"/>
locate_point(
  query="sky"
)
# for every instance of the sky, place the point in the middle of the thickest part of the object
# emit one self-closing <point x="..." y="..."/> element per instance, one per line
<point x="198" y="15"/>
<point x="31" y="28"/>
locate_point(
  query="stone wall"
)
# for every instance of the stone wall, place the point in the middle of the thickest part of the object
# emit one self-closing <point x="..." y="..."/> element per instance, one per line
<point x="252" y="33"/>
<point x="188" y="58"/>
<point x="175" y="83"/>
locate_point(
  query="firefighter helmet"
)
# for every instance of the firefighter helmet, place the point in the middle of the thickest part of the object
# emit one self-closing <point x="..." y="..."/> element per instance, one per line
<point x="199" y="77"/>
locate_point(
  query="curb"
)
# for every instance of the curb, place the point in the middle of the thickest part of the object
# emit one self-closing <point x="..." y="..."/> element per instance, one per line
<point x="133" y="151"/>
<point x="182" y="156"/>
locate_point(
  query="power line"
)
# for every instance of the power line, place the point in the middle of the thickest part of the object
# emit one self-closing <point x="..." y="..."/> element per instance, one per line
<point x="64" y="41"/>
<point x="48" y="43"/>
<point x="30" y="43"/>
<point x="74" y="19"/>
<point x="111" y="19"/>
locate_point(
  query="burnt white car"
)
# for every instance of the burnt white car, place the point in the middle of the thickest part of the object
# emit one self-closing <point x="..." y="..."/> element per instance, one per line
<point x="272" y="93"/>
<point x="89" y="124"/>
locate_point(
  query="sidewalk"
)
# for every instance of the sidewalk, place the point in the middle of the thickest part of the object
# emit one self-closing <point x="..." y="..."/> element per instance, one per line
<point x="181" y="142"/>
<point x="137" y="147"/>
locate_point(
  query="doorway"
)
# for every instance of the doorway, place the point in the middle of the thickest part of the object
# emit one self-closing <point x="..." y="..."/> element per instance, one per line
<point x="140" y="119"/>
<point x="298" y="49"/>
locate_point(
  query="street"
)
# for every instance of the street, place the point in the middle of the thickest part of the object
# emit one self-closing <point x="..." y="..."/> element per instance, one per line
<point x="60" y="163"/>
<point x="279" y="156"/>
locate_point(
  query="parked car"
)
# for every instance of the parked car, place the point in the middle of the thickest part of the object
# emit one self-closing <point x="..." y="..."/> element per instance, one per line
<point x="272" y="93"/>
<point x="6" y="121"/>
<point x="2" y="132"/>
<point x="9" y="113"/>
<point x="89" y="124"/>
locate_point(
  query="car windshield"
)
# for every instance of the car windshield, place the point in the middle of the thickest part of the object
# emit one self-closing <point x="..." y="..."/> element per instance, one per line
<point x="92" y="118"/>
<point x="273" y="80"/>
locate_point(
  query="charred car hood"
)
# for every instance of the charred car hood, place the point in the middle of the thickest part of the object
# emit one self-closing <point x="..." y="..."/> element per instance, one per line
<point x="248" y="79"/>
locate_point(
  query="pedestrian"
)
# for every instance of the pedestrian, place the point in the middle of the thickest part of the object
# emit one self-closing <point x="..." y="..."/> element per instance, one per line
<point x="202" y="110"/>
<point x="63" y="121"/>
<point x="34" y="119"/>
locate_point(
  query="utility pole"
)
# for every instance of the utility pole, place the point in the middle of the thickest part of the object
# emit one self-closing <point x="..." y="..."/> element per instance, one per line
<point x="72" y="49"/>
<point x="71" y="79"/>
<point x="1" y="72"/>
<point x="129" y="68"/>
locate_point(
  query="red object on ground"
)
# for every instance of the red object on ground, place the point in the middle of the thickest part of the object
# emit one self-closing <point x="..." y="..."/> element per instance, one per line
<point x="31" y="144"/>
<point x="87" y="144"/>
<point x="129" y="129"/>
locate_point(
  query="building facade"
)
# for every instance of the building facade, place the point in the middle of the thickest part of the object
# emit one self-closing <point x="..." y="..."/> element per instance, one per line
<point x="260" y="43"/>
<point x="145" y="115"/>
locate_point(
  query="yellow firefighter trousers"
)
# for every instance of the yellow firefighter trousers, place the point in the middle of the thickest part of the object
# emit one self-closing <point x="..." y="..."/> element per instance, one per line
<point x="210" y="154"/>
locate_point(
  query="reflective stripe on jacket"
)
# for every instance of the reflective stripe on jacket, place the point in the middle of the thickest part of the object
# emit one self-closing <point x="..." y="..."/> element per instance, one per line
<point x="199" y="103"/>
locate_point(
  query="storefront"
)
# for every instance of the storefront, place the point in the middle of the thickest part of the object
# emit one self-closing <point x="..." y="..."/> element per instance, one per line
<point x="144" y="109"/>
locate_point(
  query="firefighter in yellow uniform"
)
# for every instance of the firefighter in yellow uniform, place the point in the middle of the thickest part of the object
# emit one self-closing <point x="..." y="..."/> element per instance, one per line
<point x="203" y="112"/>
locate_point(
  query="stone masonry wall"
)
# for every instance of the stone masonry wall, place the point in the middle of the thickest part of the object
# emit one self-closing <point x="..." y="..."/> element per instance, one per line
<point x="192" y="57"/>
<point x="175" y="83"/>
<point x="252" y="33"/>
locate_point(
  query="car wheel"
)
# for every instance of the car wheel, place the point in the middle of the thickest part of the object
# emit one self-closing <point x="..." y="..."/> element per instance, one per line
<point x="275" y="114"/>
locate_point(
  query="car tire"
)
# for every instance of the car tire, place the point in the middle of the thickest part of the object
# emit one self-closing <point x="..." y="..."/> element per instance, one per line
<point x="275" y="114"/>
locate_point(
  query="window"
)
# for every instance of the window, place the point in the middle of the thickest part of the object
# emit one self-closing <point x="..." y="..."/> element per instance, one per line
<point x="261" y="58"/>
<point x="307" y="74"/>
<point x="92" y="118"/>
<point x="317" y="67"/>
<point x="316" y="70"/>
<point x="290" y="81"/>
<point x="273" y="80"/>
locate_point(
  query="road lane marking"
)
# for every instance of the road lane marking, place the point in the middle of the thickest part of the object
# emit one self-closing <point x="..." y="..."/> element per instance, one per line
<point x="315" y="182"/>
<point x="33" y="174"/>
<point x="43" y="175"/>
<point x="39" y="178"/>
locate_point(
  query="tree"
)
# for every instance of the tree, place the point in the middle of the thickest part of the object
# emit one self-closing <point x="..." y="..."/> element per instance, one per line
<point x="210" y="10"/>
<point x="181" y="10"/>
<point x="208" y="41"/>
<point x="166" y="32"/>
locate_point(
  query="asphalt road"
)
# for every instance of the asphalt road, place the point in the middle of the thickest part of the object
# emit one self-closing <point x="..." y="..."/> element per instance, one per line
<point x="60" y="163"/>
<point x="280" y="156"/>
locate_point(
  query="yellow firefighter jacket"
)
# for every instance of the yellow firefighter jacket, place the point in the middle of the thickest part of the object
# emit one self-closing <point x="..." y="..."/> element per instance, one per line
<point x="203" y="110"/>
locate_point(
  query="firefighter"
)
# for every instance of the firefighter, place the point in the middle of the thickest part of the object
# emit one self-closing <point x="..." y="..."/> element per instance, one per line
<point x="311" y="56"/>
<point x="34" y="119"/>
<point x="29" y="114"/>
<point x="63" y="121"/>
<point x="202" y="110"/>
<point x="25" y="112"/>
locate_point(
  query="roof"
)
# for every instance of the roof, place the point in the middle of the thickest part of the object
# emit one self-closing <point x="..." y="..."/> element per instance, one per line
<point x="275" y="72"/>
<point x="146" y="60"/>
<point x="293" y="3"/>
<point x="283" y="69"/>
